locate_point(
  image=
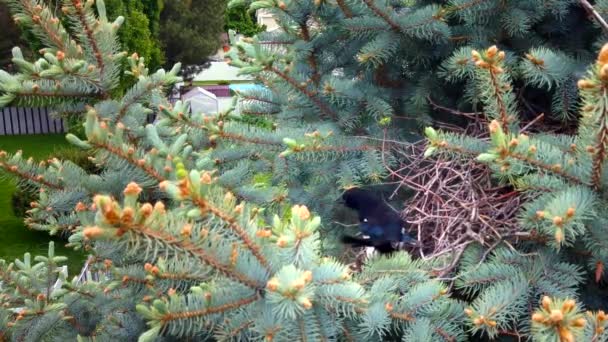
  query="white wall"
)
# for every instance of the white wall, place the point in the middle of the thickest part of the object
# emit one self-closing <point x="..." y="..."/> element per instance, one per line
<point x="224" y="103"/>
<point x="265" y="18"/>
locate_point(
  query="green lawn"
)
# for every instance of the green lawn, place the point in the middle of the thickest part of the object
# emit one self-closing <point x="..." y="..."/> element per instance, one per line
<point x="15" y="238"/>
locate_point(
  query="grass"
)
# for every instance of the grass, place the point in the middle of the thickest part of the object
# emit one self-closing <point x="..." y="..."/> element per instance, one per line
<point x="15" y="238"/>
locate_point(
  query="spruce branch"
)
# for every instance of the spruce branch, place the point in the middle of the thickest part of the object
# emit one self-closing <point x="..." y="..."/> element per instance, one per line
<point x="421" y="23"/>
<point x="88" y="30"/>
<point x="259" y="113"/>
<point x="444" y="145"/>
<point x="39" y="179"/>
<point x="276" y="42"/>
<point x="336" y="149"/>
<point x="41" y="17"/>
<point x="323" y="107"/>
<point x="26" y="171"/>
<point x="601" y="146"/>
<point x="244" y="139"/>
<point x="503" y="111"/>
<point x="377" y="11"/>
<point x="141" y="164"/>
<point x="410" y="319"/>
<point x="40" y="224"/>
<point x="179" y="276"/>
<point x="466" y="5"/>
<point x="85" y="77"/>
<point x="168" y="317"/>
<point x="59" y="95"/>
<point x="312" y="61"/>
<point x="596" y="327"/>
<point x="6" y="276"/>
<point x="232" y="224"/>
<point x="491" y="64"/>
<point x="321" y="144"/>
<point x="344" y="8"/>
<point x="185" y="247"/>
<point x="251" y="97"/>
<point x="556" y="169"/>
<point x="140" y="281"/>
<point x="236" y="331"/>
<point x="143" y="89"/>
<point x="561" y="319"/>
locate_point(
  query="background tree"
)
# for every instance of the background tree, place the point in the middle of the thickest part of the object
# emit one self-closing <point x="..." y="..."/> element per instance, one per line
<point x="242" y="21"/>
<point x="191" y="30"/>
<point x="9" y="37"/>
<point x="13" y="34"/>
<point x="140" y="33"/>
<point x="141" y="29"/>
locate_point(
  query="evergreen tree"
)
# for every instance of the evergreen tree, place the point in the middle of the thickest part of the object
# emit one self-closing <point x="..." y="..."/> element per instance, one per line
<point x="9" y="37"/>
<point x="192" y="216"/>
<point x="199" y="23"/>
<point x="342" y="77"/>
<point x="563" y="177"/>
<point x="141" y="30"/>
<point x="185" y="258"/>
<point x="242" y="21"/>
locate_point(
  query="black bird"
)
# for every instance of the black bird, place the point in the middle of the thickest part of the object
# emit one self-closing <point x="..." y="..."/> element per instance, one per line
<point x="376" y="220"/>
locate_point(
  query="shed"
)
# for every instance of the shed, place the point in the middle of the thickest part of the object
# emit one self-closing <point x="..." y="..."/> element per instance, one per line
<point x="202" y="101"/>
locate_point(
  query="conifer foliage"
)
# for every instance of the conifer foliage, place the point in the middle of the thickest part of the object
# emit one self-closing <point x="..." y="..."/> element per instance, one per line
<point x="191" y="221"/>
<point x="343" y="76"/>
<point x="563" y="178"/>
<point x="180" y="256"/>
<point x="378" y="65"/>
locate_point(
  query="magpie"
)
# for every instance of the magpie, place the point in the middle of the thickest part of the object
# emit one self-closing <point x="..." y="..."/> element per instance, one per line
<point x="377" y="220"/>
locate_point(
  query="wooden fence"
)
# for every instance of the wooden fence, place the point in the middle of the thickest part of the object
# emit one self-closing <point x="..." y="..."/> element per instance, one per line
<point x="18" y="120"/>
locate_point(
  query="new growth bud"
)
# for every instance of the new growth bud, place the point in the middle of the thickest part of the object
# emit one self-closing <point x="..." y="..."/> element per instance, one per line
<point x="132" y="189"/>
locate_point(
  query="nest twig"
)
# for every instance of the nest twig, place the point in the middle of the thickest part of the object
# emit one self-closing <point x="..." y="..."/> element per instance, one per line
<point x="454" y="202"/>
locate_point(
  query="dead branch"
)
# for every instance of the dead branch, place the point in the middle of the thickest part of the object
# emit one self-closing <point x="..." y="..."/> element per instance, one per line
<point x="589" y="8"/>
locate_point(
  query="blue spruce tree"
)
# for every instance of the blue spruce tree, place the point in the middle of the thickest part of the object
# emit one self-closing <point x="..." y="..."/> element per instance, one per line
<point x="215" y="227"/>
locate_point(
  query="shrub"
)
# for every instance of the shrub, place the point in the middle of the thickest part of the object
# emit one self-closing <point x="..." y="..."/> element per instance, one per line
<point x="24" y="195"/>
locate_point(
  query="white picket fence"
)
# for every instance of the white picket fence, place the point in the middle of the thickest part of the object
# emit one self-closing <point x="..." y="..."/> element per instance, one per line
<point x="20" y="120"/>
<point x="86" y="274"/>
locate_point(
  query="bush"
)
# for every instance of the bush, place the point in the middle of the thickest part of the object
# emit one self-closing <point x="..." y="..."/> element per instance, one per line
<point x="77" y="156"/>
<point x="24" y="195"/>
<point x="21" y="199"/>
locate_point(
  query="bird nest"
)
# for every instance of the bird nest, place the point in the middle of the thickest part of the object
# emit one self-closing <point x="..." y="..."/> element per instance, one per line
<point x="455" y="203"/>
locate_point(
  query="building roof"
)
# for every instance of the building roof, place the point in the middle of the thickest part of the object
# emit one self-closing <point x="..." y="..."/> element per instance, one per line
<point x="220" y="73"/>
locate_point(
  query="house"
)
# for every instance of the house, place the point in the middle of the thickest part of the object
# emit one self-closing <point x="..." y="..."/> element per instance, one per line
<point x="266" y="18"/>
<point x="221" y="79"/>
